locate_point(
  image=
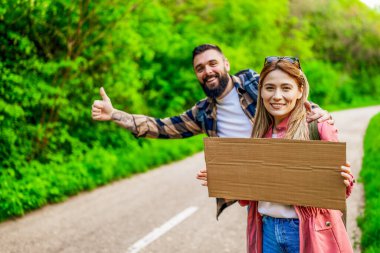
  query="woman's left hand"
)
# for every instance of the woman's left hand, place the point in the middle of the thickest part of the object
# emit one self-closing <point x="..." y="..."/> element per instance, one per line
<point x="348" y="178"/>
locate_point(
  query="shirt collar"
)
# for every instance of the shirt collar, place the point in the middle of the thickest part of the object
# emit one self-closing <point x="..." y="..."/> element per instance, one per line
<point x="280" y="128"/>
<point x="238" y="85"/>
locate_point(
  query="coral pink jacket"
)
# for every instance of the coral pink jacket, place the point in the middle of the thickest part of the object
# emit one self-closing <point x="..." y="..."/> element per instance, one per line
<point x="321" y="230"/>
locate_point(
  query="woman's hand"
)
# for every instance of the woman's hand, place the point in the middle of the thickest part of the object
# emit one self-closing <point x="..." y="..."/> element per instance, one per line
<point x="348" y="178"/>
<point x="202" y="175"/>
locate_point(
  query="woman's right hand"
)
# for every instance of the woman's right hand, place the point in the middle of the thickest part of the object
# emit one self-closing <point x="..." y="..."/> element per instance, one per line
<point x="202" y="175"/>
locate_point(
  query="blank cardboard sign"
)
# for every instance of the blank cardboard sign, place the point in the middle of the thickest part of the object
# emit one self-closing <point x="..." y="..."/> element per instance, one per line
<point x="292" y="172"/>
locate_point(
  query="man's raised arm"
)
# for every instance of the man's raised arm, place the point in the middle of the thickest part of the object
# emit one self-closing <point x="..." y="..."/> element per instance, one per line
<point x="180" y="126"/>
<point x="103" y="110"/>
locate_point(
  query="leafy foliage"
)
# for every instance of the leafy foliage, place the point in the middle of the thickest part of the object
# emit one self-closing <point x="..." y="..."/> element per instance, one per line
<point x="54" y="56"/>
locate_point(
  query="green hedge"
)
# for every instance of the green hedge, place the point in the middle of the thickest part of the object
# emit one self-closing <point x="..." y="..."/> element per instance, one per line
<point x="37" y="184"/>
<point x="370" y="177"/>
<point x="55" y="54"/>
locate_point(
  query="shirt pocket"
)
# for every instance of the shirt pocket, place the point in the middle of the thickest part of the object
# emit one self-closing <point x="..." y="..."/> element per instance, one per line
<point x="323" y="222"/>
<point x="325" y="233"/>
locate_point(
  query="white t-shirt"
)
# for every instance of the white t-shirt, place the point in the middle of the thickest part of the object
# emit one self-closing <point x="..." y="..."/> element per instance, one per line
<point x="231" y="119"/>
<point x="233" y="122"/>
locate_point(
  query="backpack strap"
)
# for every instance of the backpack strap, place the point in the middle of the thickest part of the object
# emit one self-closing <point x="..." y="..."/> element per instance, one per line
<point x="250" y="82"/>
<point x="313" y="130"/>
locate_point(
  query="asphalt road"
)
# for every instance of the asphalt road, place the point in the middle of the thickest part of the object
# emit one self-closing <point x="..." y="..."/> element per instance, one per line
<point x="164" y="210"/>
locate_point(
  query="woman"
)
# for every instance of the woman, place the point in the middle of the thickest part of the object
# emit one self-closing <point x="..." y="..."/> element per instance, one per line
<point x="274" y="227"/>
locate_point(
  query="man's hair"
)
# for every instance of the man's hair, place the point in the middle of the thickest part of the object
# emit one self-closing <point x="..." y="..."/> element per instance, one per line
<point x="204" y="47"/>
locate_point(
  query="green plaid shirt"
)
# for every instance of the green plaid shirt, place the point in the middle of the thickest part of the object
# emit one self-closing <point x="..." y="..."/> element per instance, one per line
<point x="201" y="118"/>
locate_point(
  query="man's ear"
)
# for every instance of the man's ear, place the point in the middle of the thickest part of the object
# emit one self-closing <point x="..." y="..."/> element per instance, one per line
<point x="227" y="64"/>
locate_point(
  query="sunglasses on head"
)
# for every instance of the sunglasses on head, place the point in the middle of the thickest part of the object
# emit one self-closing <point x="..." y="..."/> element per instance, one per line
<point x="291" y="59"/>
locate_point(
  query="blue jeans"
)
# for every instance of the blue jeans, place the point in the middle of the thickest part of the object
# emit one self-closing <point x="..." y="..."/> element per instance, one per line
<point x="280" y="235"/>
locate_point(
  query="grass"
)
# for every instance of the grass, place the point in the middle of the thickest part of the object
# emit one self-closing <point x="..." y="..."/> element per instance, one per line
<point x="370" y="177"/>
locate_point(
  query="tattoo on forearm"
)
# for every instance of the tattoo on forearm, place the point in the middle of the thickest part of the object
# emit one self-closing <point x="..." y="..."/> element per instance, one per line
<point x="124" y="119"/>
<point x="117" y="116"/>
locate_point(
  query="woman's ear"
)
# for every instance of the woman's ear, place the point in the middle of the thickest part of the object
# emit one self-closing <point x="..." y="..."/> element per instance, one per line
<point x="300" y="92"/>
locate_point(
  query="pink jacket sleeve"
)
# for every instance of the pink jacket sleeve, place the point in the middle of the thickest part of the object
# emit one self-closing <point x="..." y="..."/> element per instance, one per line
<point x="330" y="133"/>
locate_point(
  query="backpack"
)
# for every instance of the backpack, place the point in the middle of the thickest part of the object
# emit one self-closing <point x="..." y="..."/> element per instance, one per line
<point x="313" y="130"/>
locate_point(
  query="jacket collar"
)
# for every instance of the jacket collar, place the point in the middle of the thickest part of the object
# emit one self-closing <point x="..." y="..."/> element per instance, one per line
<point x="283" y="125"/>
<point x="280" y="128"/>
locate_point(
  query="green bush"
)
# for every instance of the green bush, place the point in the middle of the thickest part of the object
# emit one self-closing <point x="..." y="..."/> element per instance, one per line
<point x="370" y="177"/>
<point x="55" y="54"/>
<point x="34" y="186"/>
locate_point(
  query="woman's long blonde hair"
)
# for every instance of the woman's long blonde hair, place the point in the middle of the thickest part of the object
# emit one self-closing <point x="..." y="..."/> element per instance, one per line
<point x="297" y="126"/>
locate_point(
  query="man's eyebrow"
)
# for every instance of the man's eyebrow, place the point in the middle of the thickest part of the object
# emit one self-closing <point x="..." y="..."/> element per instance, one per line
<point x="200" y="64"/>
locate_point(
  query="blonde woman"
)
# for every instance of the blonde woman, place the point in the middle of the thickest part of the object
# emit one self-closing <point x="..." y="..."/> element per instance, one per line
<point x="273" y="227"/>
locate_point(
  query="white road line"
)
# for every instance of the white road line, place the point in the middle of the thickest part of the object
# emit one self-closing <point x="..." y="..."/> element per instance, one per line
<point x="157" y="232"/>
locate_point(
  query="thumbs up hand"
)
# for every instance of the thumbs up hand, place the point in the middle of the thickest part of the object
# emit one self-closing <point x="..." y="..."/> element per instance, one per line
<point x="102" y="109"/>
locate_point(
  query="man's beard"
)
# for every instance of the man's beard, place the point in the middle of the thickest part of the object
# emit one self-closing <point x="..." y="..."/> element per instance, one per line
<point x="219" y="89"/>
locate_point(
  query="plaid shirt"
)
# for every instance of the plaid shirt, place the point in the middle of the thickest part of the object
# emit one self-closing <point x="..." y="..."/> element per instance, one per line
<point x="201" y="118"/>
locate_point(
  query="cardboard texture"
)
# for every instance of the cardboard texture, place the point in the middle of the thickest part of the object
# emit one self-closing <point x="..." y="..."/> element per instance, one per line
<point x="293" y="172"/>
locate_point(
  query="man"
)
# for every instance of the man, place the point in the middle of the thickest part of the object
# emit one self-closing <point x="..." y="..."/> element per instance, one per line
<point x="228" y="110"/>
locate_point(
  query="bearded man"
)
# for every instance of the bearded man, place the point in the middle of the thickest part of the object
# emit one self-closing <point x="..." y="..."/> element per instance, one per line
<point x="227" y="111"/>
